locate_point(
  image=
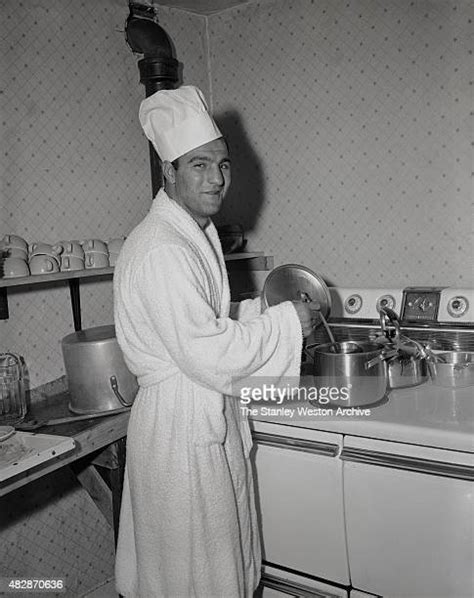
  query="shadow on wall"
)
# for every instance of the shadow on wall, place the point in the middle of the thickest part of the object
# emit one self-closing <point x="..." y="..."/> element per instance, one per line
<point x="246" y="194"/>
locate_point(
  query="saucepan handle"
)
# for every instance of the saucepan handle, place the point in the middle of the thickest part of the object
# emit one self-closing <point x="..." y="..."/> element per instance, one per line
<point x="384" y="356"/>
<point x="115" y="388"/>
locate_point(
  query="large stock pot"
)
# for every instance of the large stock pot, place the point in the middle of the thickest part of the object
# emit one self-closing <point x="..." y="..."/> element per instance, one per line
<point x="98" y="378"/>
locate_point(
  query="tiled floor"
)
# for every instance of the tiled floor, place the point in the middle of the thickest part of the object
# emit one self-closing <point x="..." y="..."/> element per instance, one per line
<point x="105" y="591"/>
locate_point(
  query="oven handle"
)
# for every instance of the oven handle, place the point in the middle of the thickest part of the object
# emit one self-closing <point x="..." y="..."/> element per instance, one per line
<point x="293" y="589"/>
<point x="325" y="449"/>
<point x="406" y="463"/>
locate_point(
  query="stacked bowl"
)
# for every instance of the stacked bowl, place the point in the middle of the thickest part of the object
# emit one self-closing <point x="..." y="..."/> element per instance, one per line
<point x="18" y="259"/>
<point x="114" y="246"/>
<point x="96" y="253"/>
<point x="72" y="256"/>
<point x="44" y="258"/>
<point x="14" y="257"/>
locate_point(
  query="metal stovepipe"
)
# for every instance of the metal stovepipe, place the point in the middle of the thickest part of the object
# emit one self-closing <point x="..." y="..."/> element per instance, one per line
<point x="158" y="68"/>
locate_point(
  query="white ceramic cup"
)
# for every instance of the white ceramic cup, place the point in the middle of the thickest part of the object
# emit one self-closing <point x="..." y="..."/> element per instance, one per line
<point x="15" y="252"/>
<point x="72" y="248"/>
<point x="10" y="241"/>
<point x="95" y="245"/>
<point x="115" y="245"/>
<point x="15" y="267"/>
<point x="43" y="264"/>
<point x="95" y="259"/>
<point x="71" y="262"/>
<point x="46" y="249"/>
<point x="113" y="258"/>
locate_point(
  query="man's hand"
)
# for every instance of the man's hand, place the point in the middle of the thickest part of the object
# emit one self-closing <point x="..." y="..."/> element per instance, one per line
<point x="307" y="313"/>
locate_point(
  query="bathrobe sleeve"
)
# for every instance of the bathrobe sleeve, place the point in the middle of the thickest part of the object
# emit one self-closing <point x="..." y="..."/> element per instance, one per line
<point x="211" y="350"/>
<point x="246" y="309"/>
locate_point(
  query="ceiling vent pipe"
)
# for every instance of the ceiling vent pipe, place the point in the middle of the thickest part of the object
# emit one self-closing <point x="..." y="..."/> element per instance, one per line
<point x="158" y="68"/>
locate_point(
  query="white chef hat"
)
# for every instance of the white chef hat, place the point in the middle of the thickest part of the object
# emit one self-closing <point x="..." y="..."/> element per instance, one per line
<point x="176" y="121"/>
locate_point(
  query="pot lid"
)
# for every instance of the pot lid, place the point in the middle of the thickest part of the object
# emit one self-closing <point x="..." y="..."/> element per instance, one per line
<point x="292" y="282"/>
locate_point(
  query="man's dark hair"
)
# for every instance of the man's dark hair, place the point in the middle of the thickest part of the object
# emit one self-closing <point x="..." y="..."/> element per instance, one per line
<point x="175" y="163"/>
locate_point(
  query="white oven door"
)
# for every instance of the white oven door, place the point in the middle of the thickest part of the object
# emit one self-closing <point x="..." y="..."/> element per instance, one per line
<point x="299" y="495"/>
<point x="409" y="519"/>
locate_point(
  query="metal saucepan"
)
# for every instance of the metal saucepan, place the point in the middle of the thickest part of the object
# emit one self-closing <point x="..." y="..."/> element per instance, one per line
<point x="405" y="371"/>
<point x="405" y="358"/>
<point x="453" y="369"/>
<point x="353" y="370"/>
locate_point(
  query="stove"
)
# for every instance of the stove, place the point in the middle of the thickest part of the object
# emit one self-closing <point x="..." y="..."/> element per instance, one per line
<point x="442" y="317"/>
<point x="405" y="468"/>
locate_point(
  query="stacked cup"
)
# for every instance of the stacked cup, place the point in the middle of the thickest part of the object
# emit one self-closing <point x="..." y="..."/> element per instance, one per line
<point x="72" y="256"/>
<point x="114" y="245"/>
<point x="44" y="258"/>
<point x="14" y="257"/>
<point x="96" y="253"/>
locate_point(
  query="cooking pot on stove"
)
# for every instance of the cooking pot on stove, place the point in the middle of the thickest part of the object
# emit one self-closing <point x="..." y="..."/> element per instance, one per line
<point x="350" y="373"/>
<point x="405" y="371"/>
<point x="98" y="378"/>
<point x="452" y="369"/>
<point x="405" y="358"/>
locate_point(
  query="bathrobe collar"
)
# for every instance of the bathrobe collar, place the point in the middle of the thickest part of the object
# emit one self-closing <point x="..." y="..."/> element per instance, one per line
<point x="205" y="241"/>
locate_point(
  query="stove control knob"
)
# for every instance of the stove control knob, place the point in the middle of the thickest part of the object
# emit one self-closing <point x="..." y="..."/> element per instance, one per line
<point x="457" y="306"/>
<point x="386" y="301"/>
<point x="353" y="304"/>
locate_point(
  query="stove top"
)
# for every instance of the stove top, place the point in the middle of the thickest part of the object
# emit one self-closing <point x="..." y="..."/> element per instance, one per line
<point x="441" y="317"/>
<point x="416" y="306"/>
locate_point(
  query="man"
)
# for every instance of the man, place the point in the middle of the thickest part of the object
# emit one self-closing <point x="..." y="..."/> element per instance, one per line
<point x="188" y="523"/>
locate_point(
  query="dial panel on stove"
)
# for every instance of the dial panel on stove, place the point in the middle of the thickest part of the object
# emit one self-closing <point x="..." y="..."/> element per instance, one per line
<point x="363" y="304"/>
<point x="353" y="304"/>
<point x="458" y="306"/>
<point x="420" y="304"/>
<point x="386" y="301"/>
<point x="424" y="305"/>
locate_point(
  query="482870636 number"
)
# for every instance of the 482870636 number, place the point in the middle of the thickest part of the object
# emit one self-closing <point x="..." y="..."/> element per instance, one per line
<point x="31" y="584"/>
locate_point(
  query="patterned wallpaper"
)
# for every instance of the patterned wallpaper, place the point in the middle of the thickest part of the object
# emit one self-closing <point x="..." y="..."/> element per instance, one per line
<point x="51" y="529"/>
<point x="351" y="125"/>
<point x="74" y="160"/>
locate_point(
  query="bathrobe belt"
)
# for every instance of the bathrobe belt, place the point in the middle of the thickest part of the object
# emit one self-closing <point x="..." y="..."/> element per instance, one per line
<point x="155" y="378"/>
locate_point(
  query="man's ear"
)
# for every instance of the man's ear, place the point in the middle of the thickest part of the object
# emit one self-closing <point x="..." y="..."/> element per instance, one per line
<point x="169" y="172"/>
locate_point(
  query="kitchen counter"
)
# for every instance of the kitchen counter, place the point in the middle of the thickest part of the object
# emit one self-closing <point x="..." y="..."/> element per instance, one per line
<point x="425" y="415"/>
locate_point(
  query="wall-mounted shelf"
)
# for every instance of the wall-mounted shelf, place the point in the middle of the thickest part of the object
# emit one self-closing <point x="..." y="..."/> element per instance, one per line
<point x="236" y="261"/>
<point x="36" y="279"/>
<point x="249" y="261"/>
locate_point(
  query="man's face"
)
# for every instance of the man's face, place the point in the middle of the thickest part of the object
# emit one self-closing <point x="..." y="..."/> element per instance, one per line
<point x="202" y="179"/>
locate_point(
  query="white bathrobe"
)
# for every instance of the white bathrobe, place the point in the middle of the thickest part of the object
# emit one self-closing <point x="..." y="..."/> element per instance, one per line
<point x="188" y="523"/>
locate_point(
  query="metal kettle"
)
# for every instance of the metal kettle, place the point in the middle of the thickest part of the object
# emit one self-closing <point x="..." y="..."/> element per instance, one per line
<point x="405" y="358"/>
<point x="12" y="389"/>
